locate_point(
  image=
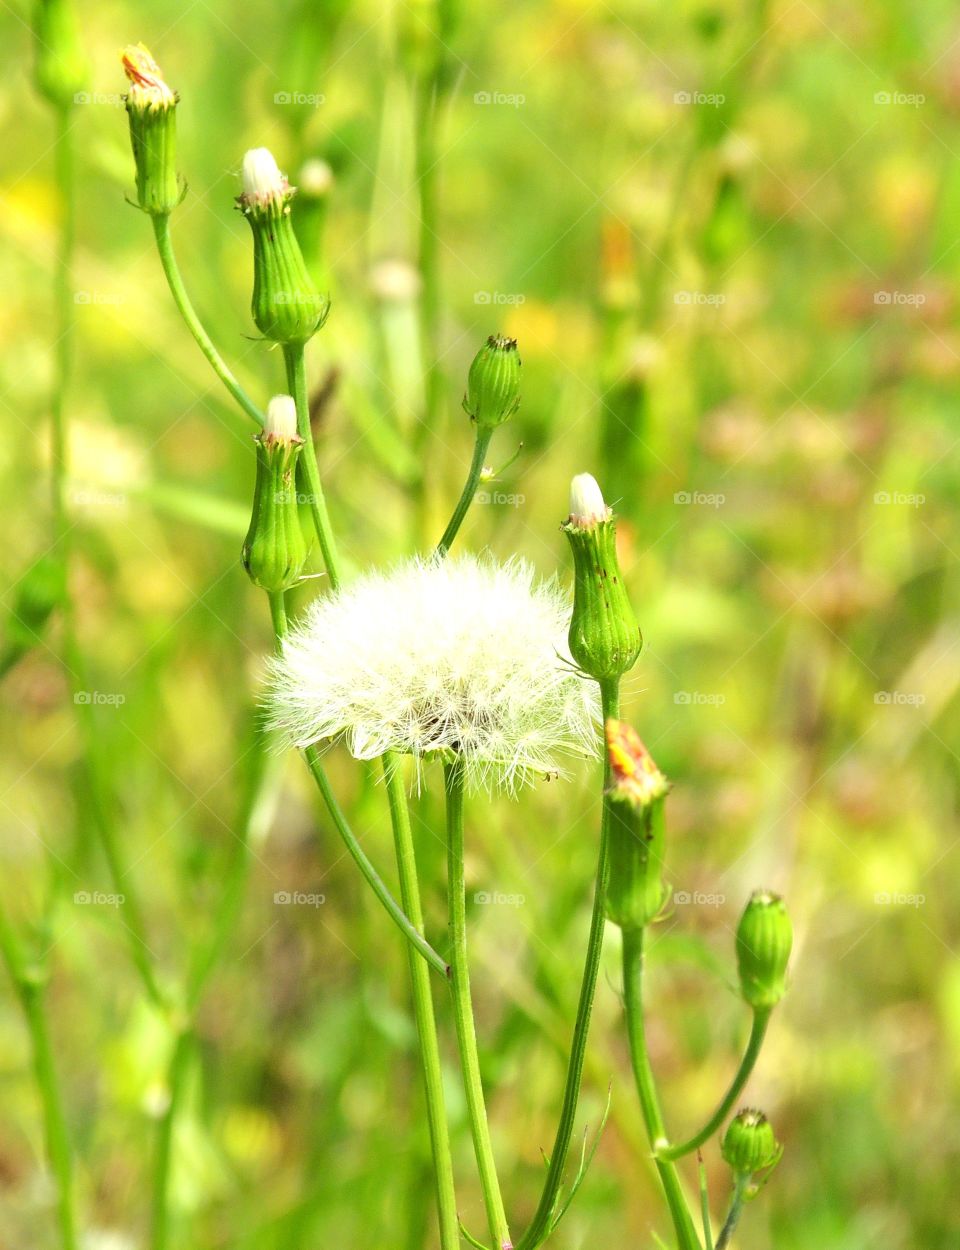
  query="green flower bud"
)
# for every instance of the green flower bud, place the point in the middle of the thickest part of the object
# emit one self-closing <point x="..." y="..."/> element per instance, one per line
<point x="493" y="383"/>
<point x="604" y="636"/>
<point x="749" y="1145"/>
<point x="152" y="114"/>
<point x="287" y="307"/>
<point x="764" y="939"/>
<point x="274" y="551"/>
<point x="635" y="892"/>
<point x="61" y="70"/>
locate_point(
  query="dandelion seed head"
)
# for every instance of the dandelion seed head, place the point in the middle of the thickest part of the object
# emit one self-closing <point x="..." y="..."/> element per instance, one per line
<point x="465" y="655"/>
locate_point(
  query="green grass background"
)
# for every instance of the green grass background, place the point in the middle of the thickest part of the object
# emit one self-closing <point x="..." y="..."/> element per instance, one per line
<point x="699" y="292"/>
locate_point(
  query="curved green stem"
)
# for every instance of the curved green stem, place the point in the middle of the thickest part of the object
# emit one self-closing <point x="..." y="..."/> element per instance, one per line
<point x="423" y="1010"/>
<point x="761" y="1018"/>
<point x="463" y="1009"/>
<point x="29" y="987"/>
<point x="161" y="231"/>
<point x="293" y="355"/>
<point x="484" y="434"/>
<point x="541" y="1223"/>
<point x="646" y="1088"/>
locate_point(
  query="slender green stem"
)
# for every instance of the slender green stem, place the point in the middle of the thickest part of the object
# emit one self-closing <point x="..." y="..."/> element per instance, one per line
<point x="72" y="656"/>
<point x="161" y="231"/>
<point x="761" y="1018"/>
<point x="463" y="1009"/>
<point x="704" y="1204"/>
<point x="160" y="1215"/>
<point x="541" y="1223"/>
<point x="30" y="985"/>
<point x="293" y="355"/>
<point x="423" y="1010"/>
<point x="740" y="1187"/>
<point x="484" y="434"/>
<point x="646" y="1088"/>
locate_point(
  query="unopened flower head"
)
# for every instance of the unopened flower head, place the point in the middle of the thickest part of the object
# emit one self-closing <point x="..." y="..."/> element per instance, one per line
<point x="281" y="420"/>
<point x="493" y="383"/>
<point x="749" y="1145"/>
<point x="637" y="788"/>
<point x="148" y="87"/>
<point x="604" y="636"/>
<point x="286" y="306"/>
<point x="464" y="655"/>
<point x="274" y="551"/>
<point x="587" y="505"/>
<point x="263" y="183"/>
<point x="152" y="114"/>
<point x="634" y="777"/>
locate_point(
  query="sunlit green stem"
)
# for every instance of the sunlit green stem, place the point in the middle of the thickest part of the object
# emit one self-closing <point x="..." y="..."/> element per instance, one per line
<point x="30" y="985"/>
<point x="740" y="1188"/>
<point x="293" y="355"/>
<point x="646" y="1088"/>
<point x="463" y="1008"/>
<point x="704" y="1205"/>
<point x="161" y="230"/>
<point x="484" y="434"/>
<point x="160" y="1213"/>
<point x="761" y="1018"/>
<point x="540" y="1225"/>
<point x="423" y="1010"/>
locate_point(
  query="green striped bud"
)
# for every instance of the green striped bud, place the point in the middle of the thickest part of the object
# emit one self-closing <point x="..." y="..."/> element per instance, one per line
<point x="493" y="383"/>
<point x="274" y="551"/>
<point x="749" y="1145"/>
<point x="764" y="940"/>
<point x="286" y="307"/>
<point x="152" y="114"/>
<point x="604" y="636"/>
<point x="637" y="791"/>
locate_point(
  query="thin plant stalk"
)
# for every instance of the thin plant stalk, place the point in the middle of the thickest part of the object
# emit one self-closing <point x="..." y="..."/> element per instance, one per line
<point x="540" y="1225"/>
<point x="741" y="1185"/>
<point x="463" y="1009"/>
<point x="161" y="1174"/>
<point x="409" y="917"/>
<point x="484" y="434"/>
<point x="161" y="231"/>
<point x="72" y="657"/>
<point x="30" y="987"/>
<point x="293" y="355"/>
<point x="758" y="1029"/>
<point x="423" y="1010"/>
<point x="704" y="1204"/>
<point x="687" y="1238"/>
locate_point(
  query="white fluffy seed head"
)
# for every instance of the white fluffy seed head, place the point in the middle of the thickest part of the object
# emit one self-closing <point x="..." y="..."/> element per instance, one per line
<point x="465" y="654"/>
<point x="281" y="419"/>
<point x="262" y="179"/>
<point x="587" y="505"/>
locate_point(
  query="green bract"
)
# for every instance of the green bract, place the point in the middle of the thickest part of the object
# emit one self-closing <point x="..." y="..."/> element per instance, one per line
<point x="286" y="306"/>
<point x="604" y="635"/>
<point x="749" y="1145"/>
<point x="764" y="940"/>
<point x="152" y="113"/>
<point x="493" y="383"/>
<point x="274" y="551"/>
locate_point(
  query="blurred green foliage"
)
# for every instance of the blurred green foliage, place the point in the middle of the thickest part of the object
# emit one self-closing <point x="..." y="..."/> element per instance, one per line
<point x="725" y="236"/>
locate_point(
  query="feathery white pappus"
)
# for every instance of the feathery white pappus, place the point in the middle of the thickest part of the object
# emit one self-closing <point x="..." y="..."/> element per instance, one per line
<point x="465" y="654"/>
